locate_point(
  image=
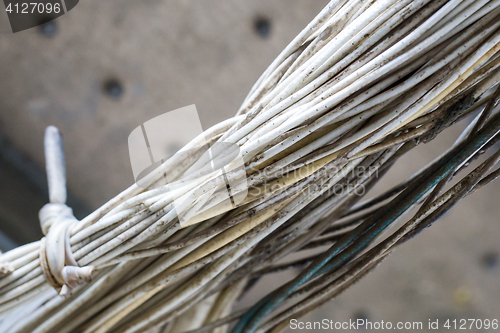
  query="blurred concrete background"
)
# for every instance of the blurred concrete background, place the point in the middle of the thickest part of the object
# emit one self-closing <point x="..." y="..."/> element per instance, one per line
<point x="108" y="66"/>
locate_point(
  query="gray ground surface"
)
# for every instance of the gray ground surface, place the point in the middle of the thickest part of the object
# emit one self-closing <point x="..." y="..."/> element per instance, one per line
<point x="169" y="54"/>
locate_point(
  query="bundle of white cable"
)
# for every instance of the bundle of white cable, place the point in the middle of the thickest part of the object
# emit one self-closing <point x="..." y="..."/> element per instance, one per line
<point x="361" y="79"/>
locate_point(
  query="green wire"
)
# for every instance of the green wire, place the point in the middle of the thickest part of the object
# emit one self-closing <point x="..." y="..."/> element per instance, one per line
<point x="329" y="261"/>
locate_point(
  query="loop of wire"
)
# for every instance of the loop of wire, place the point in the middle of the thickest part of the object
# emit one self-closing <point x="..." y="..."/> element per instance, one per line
<point x="57" y="261"/>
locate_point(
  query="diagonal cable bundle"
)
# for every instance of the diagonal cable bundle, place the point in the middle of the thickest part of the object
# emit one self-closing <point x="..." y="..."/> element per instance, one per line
<point x="363" y="84"/>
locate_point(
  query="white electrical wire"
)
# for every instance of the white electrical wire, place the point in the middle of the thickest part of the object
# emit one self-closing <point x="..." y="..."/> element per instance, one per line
<point x="331" y="101"/>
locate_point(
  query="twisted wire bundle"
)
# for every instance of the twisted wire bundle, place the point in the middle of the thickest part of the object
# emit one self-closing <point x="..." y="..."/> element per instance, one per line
<point x="360" y="86"/>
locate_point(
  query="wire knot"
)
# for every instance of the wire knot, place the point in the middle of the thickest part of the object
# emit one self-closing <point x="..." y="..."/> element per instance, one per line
<point x="58" y="264"/>
<point x="56" y="258"/>
<point x="51" y="212"/>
